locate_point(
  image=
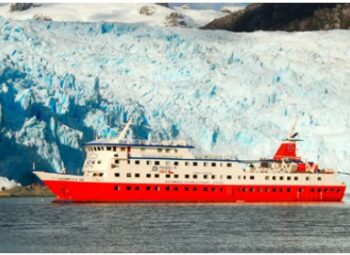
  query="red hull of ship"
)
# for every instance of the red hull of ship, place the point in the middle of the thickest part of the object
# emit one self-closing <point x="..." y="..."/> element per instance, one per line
<point x="120" y="192"/>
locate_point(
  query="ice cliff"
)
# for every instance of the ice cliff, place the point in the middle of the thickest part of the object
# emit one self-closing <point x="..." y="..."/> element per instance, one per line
<point x="235" y="94"/>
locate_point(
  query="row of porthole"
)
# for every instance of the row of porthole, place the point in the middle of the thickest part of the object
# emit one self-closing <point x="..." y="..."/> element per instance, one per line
<point x="288" y="190"/>
<point x="168" y="188"/>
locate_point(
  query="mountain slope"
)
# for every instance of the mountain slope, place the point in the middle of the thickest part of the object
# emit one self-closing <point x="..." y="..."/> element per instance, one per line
<point x="234" y="94"/>
<point x="285" y="17"/>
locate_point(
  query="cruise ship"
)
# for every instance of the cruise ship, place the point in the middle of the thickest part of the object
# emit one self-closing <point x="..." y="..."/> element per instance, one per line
<point x="120" y="170"/>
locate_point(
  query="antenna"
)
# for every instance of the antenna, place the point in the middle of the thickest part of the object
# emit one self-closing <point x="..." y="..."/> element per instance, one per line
<point x="292" y="133"/>
<point x="125" y="130"/>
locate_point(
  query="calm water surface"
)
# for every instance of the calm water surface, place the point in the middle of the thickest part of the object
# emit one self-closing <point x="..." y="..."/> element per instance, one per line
<point x="37" y="225"/>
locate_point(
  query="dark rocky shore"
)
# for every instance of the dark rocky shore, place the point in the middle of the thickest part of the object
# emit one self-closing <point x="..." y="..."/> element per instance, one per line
<point x="33" y="190"/>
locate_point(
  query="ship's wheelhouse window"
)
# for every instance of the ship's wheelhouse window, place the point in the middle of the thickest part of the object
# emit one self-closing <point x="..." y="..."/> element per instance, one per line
<point x="205" y="176"/>
<point x="213" y="164"/>
<point x="229" y="177"/>
<point x="137" y="162"/>
<point x="274" y="178"/>
<point x="176" y="163"/>
<point x="319" y="178"/>
<point x="128" y="188"/>
<point x="156" y="163"/>
<point x="116" y="188"/>
<point x="122" y="148"/>
<point x="114" y="148"/>
<point x="148" y="162"/>
<point x="307" y="178"/>
<point x="109" y="148"/>
<point x="252" y="177"/>
<point x="288" y="178"/>
<point x="116" y="161"/>
<point x="116" y="174"/>
<point x="195" y="176"/>
<point x="281" y="178"/>
<point x="128" y="175"/>
<point x="213" y="177"/>
<point x="229" y="164"/>
<point x="156" y="175"/>
<point x="195" y="163"/>
<point x="167" y="150"/>
<point x="167" y="176"/>
<point x="148" y="175"/>
<point x="159" y="150"/>
<point x="267" y="177"/>
<point x="295" y="178"/>
<point x="187" y="176"/>
<point x="137" y="188"/>
<point x="137" y="175"/>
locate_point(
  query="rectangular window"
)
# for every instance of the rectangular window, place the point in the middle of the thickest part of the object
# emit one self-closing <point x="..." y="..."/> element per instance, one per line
<point x="156" y="176"/>
<point x="137" y="175"/>
<point x="101" y="174"/>
<point x="295" y="178"/>
<point x="176" y="176"/>
<point x="205" y="176"/>
<point x="156" y="163"/>
<point x="109" y="148"/>
<point x="128" y="161"/>
<point x="99" y="162"/>
<point x="239" y="177"/>
<point x="117" y="174"/>
<point x="213" y="177"/>
<point x="281" y="178"/>
<point x="128" y="175"/>
<point x="148" y="162"/>
<point x="114" y="148"/>
<point x="204" y="163"/>
<point x="176" y="163"/>
<point x="159" y="150"/>
<point x="195" y="164"/>
<point x="229" y="177"/>
<point x="213" y="164"/>
<point x="137" y="162"/>
<point x="167" y="176"/>
<point x="288" y="178"/>
<point x="116" y="161"/>
<point x="175" y="150"/>
<point x="229" y="164"/>
<point x="122" y="149"/>
<point x="148" y="175"/>
<point x="307" y="178"/>
<point x="319" y="178"/>
<point x="252" y="177"/>
<point x="274" y="178"/>
<point x="195" y="176"/>
<point x="187" y="176"/>
<point x="267" y="177"/>
<point x="167" y="150"/>
<point x="186" y="163"/>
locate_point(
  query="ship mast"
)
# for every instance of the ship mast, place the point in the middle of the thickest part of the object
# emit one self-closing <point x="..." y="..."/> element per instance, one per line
<point x="124" y="131"/>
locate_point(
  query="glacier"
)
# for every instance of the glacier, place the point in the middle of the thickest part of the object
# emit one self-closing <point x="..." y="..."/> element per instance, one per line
<point x="233" y="94"/>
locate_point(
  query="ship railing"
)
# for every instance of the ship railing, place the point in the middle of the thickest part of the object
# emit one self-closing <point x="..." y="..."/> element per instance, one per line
<point x="146" y="142"/>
